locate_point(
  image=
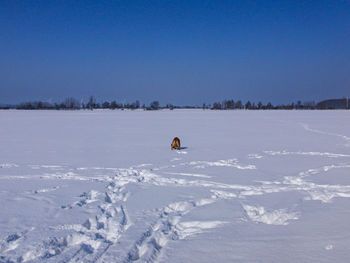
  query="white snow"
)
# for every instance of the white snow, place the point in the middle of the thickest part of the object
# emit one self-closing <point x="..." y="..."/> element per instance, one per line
<point x="104" y="186"/>
<point x="275" y="217"/>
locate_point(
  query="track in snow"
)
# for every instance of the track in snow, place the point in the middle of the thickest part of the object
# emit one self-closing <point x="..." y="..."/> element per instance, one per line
<point x="89" y="240"/>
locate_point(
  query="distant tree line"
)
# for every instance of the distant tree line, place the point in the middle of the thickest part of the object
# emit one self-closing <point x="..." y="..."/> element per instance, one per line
<point x="73" y="104"/>
<point x="231" y="105"/>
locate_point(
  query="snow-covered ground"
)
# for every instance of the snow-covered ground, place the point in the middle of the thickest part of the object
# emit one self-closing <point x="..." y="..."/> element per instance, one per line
<point x="104" y="186"/>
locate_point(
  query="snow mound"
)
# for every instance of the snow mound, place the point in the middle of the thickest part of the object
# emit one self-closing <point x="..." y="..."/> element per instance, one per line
<point x="274" y="217"/>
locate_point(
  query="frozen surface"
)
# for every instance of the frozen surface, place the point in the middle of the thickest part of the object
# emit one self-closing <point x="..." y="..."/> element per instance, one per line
<point x="104" y="186"/>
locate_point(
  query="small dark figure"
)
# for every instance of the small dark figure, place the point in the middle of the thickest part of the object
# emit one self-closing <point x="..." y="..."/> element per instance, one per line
<point x="175" y="144"/>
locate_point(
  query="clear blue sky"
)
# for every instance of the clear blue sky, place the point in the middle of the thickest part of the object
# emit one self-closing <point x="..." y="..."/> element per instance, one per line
<point x="181" y="52"/>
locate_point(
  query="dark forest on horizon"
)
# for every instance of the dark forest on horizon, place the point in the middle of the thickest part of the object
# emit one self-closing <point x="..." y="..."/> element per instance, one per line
<point x="74" y="104"/>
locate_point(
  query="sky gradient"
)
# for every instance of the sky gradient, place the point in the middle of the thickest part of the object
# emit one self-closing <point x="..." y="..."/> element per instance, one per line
<point x="180" y="52"/>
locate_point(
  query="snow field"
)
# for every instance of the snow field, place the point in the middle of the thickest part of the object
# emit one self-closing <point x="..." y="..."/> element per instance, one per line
<point x="104" y="186"/>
